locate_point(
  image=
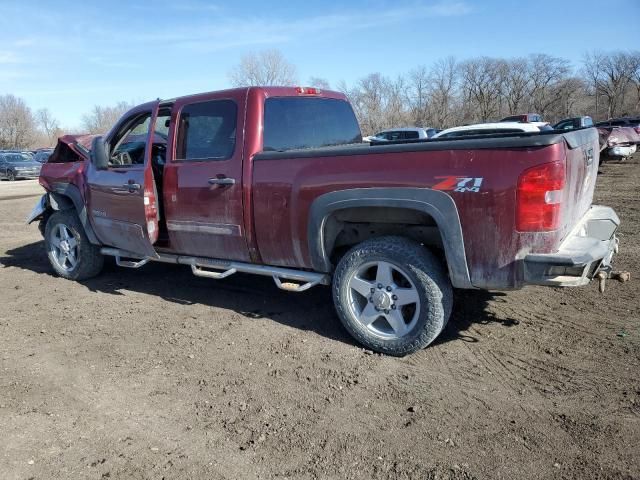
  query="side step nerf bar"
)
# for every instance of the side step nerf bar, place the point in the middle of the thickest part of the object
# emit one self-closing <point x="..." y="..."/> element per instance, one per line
<point x="287" y="279"/>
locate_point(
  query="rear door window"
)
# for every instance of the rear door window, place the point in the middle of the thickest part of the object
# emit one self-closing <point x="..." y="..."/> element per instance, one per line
<point x="411" y="135"/>
<point x="567" y="125"/>
<point x="395" y="136"/>
<point x="297" y="123"/>
<point x="207" y="131"/>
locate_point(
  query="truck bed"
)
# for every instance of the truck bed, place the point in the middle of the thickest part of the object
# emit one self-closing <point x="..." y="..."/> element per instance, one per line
<point x="285" y="184"/>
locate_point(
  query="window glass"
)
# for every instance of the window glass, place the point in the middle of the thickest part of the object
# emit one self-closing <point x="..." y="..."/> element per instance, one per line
<point x="411" y="135"/>
<point x="207" y="131"/>
<point x="588" y="122"/>
<point x="294" y="123"/>
<point x="129" y="146"/>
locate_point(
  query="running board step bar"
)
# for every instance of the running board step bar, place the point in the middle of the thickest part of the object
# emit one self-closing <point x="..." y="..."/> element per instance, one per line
<point x="287" y="279"/>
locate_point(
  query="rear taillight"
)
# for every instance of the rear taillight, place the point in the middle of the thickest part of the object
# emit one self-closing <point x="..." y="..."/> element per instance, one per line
<point x="150" y="206"/>
<point x="539" y="197"/>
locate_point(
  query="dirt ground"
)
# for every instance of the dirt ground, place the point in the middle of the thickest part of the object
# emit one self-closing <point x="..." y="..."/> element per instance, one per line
<point x="154" y="373"/>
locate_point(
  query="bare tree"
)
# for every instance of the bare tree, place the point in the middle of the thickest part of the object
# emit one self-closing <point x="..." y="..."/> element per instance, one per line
<point x="547" y="73"/>
<point x="321" y="83"/>
<point x="396" y="101"/>
<point x="517" y="87"/>
<point x="591" y="69"/>
<point x="612" y="74"/>
<point x="618" y="68"/>
<point x="635" y="77"/>
<point x="418" y="96"/>
<point x="101" y="119"/>
<point x="268" y="67"/>
<point x="17" y="125"/>
<point x="482" y="86"/>
<point x="443" y="80"/>
<point x="570" y="92"/>
<point x="49" y="126"/>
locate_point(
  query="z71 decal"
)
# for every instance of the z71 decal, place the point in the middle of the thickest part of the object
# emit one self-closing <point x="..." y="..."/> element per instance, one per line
<point x="458" y="184"/>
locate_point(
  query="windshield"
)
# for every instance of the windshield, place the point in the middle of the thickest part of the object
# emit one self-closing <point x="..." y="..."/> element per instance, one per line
<point x="18" y="157"/>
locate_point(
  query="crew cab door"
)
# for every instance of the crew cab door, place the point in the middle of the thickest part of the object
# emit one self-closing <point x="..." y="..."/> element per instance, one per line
<point x="203" y="184"/>
<point x="122" y="196"/>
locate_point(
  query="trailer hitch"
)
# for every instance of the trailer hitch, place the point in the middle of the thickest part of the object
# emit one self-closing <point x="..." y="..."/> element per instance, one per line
<point x="603" y="275"/>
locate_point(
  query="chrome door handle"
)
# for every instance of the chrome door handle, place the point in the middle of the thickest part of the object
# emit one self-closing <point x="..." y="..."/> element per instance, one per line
<point x="131" y="186"/>
<point x="222" y="181"/>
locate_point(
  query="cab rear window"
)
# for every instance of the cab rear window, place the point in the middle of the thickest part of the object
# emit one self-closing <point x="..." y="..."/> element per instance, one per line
<point x="292" y="123"/>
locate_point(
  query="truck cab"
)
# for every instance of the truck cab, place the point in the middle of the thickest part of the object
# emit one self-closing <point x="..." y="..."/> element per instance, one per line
<point x="176" y="175"/>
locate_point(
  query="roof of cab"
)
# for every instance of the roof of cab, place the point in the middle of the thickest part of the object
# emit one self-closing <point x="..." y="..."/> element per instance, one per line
<point x="267" y="91"/>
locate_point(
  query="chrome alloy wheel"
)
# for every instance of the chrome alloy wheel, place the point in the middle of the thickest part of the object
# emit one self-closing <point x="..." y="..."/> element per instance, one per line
<point x="64" y="247"/>
<point x="383" y="299"/>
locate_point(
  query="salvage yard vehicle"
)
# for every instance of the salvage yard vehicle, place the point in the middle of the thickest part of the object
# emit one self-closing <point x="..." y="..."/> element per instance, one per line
<point x="42" y="155"/>
<point x="574" y="123"/>
<point x="630" y="122"/>
<point x="408" y="133"/>
<point x="276" y="181"/>
<point x="17" y="165"/>
<point x="487" y="129"/>
<point x="618" y="143"/>
<point x="525" y="118"/>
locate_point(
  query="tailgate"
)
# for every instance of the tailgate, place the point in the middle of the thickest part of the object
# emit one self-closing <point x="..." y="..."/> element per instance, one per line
<point x="582" y="157"/>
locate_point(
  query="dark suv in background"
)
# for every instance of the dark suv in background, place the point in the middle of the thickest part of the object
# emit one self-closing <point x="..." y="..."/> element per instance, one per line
<point x="574" y="123"/>
<point x="41" y="156"/>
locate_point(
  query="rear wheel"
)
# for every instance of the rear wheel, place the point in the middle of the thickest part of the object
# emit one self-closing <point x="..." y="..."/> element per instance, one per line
<point x="11" y="175"/>
<point x="392" y="295"/>
<point x="70" y="253"/>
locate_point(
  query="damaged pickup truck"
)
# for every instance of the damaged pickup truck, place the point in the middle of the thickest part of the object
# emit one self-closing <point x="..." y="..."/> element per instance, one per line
<point x="276" y="181"/>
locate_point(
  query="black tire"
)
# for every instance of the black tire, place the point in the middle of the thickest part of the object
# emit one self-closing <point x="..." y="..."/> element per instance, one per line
<point x="89" y="259"/>
<point x="412" y="262"/>
<point x="11" y="176"/>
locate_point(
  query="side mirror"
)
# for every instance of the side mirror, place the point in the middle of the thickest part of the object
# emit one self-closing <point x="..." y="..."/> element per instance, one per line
<point x="99" y="153"/>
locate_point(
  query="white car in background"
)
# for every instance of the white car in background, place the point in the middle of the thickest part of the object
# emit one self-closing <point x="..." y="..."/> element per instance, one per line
<point x="489" y="128"/>
<point x="409" y="133"/>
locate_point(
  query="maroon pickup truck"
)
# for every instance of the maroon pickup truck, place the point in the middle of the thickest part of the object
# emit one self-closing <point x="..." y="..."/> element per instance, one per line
<point x="276" y="181"/>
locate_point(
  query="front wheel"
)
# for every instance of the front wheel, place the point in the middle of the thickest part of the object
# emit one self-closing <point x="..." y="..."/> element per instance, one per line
<point x="70" y="253"/>
<point x="392" y="295"/>
<point x="11" y="176"/>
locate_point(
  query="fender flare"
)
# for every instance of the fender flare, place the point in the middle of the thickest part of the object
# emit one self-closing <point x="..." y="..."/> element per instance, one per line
<point x="67" y="196"/>
<point x="434" y="203"/>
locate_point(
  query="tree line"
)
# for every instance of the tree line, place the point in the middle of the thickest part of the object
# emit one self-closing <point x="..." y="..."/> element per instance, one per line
<point x="452" y="92"/>
<point x="449" y="92"/>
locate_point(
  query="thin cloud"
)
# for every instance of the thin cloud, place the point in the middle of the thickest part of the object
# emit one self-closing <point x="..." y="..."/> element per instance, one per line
<point x="270" y="31"/>
<point x="8" y="57"/>
<point x="187" y="6"/>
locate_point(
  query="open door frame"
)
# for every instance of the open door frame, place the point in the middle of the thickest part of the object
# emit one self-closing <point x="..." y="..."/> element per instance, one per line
<point x="123" y="205"/>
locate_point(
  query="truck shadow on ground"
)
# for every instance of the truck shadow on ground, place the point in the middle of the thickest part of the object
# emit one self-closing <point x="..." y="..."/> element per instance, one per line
<point x="251" y="296"/>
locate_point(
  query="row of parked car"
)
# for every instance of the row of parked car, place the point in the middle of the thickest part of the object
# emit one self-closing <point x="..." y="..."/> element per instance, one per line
<point x="619" y="137"/>
<point x="16" y="164"/>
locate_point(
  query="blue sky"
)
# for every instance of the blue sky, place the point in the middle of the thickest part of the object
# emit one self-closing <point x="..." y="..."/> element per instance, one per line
<point x="69" y="56"/>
